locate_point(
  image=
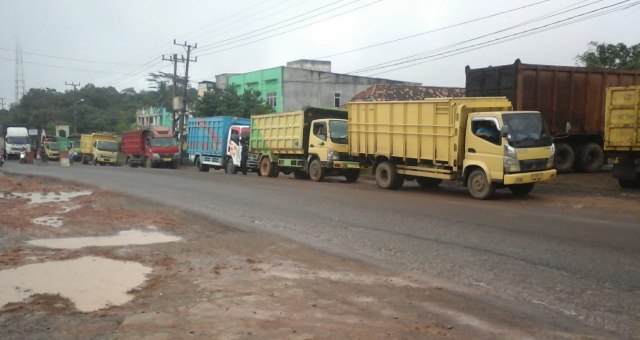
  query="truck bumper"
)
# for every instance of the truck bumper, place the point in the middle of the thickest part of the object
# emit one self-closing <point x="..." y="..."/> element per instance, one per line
<point x="529" y="177"/>
<point x="102" y="160"/>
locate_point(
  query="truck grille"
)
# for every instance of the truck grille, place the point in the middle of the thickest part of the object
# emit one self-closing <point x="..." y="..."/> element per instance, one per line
<point x="533" y="165"/>
<point x="344" y="156"/>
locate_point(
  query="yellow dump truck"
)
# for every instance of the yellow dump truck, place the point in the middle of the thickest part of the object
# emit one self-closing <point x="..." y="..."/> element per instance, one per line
<point x="622" y="134"/>
<point x="310" y="143"/>
<point x="478" y="141"/>
<point x="99" y="148"/>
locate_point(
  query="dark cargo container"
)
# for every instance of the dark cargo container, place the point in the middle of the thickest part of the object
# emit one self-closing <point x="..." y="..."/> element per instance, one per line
<point x="570" y="98"/>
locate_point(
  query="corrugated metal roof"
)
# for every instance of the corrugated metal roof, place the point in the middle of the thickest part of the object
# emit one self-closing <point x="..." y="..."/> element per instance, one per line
<point x="396" y="92"/>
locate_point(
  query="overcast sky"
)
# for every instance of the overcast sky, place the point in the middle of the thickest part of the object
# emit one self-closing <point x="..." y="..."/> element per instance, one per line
<point x="118" y="42"/>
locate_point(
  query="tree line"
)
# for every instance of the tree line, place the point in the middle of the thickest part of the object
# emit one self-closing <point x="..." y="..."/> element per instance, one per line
<point x="105" y="109"/>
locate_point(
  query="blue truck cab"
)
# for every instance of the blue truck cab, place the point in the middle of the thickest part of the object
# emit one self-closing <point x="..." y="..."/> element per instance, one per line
<point x="215" y="142"/>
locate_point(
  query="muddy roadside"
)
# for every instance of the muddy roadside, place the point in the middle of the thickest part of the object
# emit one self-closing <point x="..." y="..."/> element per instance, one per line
<point x="202" y="280"/>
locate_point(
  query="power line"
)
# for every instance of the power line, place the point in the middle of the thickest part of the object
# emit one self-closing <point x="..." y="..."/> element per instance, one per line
<point x="427" y="54"/>
<point x="293" y="29"/>
<point x="432" y="31"/>
<point x="543" y="28"/>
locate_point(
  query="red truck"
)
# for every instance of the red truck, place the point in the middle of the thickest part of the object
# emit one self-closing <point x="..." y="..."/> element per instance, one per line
<point x="150" y="148"/>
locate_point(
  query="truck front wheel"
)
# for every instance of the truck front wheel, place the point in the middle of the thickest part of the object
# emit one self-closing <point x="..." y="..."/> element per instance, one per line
<point x="230" y="168"/>
<point x="521" y="190"/>
<point x="148" y="163"/>
<point x="479" y="186"/>
<point x="387" y="176"/>
<point x="316" y="171"/>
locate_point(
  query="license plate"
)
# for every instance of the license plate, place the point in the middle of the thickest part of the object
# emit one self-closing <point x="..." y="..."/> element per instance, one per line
<point x="167" y="159"/>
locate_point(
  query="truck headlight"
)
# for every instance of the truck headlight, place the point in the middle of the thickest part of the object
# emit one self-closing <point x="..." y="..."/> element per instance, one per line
<point x="551" y="159"/>
<point x="332" y="155"/>
<point x="155" y="156"/>
<point x="510" y="160"/>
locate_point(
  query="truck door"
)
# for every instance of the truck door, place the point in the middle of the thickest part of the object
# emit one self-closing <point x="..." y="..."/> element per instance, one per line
<point x="484" y="144"/>
<point x="317" y="140"/>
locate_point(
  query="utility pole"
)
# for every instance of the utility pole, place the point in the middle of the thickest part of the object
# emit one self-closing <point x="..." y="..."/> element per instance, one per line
<point x="186" y="83"/>
<point x="174" y="59"/>
<point x="75" y="106"/>
<point x="2" y="102"/>
<point x="72" y="84"/>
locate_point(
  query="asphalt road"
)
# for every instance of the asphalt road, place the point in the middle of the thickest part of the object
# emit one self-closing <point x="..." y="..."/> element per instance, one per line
<point x="540" y="258"/>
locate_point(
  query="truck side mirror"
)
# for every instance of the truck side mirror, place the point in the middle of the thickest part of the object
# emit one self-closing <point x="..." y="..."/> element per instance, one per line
<point x="504" y="131"/>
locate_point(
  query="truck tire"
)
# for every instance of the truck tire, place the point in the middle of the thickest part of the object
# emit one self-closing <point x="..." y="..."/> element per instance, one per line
<point x="85" y="159"/>
<point x="564" y="157"/>
<point x="521" y="190"/>
<point x="427" y="182"/>
<point x="230" y="168"/>
<point x="590" y="158"/>
<point x="265" y="167"/>
<point x="148" y="163"/>
<point x="352" y="175"/>
<point x="300" y="174"/>
<point x="387" y="176"/>
<point x="479" y="186"/>
<point x="201" y="167"/>
<point x="316" y="171"/>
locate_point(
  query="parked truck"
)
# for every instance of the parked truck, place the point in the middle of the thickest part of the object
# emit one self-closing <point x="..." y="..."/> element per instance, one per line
<point x="99" y="148"/>
<point x="310" y="143"/>
<point x="51" y="149"/>
<point x="622" y="134"/>
<point x="214" y="142"/>
<point x="16" y="140"/>
<point x="570" y="98"/>
<point x="152" y="147"/>
<point x="478" y="141"/>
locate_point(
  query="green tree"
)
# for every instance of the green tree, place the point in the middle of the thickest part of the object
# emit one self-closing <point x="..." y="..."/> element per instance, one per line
<point x="227" y="102"/>
<point x="618" y="56"/>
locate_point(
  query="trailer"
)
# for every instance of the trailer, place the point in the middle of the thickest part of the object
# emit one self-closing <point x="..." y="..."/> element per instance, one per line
<point x="572" y="100"/>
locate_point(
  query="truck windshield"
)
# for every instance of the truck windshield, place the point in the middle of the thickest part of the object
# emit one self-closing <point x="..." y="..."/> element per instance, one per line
<point x="338" y="131"/>
<point x="527" y="129"/>
<point x="163" y="142"/>
<point x="107" y="145"/>
<point x="18" y="140"/>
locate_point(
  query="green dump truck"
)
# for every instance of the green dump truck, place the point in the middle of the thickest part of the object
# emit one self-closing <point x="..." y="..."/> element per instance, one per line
<point x="310" y="143"/>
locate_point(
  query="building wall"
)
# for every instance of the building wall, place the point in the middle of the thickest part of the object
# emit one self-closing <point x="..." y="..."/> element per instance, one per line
<point x="306" y="87"/>
<point x="268" y="82"/>
<point x="153" y="116"/>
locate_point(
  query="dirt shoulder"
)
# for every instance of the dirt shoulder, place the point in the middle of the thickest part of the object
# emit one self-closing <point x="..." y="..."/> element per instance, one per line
<point x="215" y="282"/>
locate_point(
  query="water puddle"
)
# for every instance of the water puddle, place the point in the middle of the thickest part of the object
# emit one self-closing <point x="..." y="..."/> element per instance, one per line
<point x="126" y="237"/>
<point x="91" y="283"/>
<point x="49" y="221"/>
<point x="38" y="197"/>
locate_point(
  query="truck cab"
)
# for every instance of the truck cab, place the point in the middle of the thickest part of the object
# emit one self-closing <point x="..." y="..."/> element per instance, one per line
<point x="50" y="147"/>
<point x="512" y="149"/>
<point x="328" y="141"/>
<point x="16" y="141"/>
